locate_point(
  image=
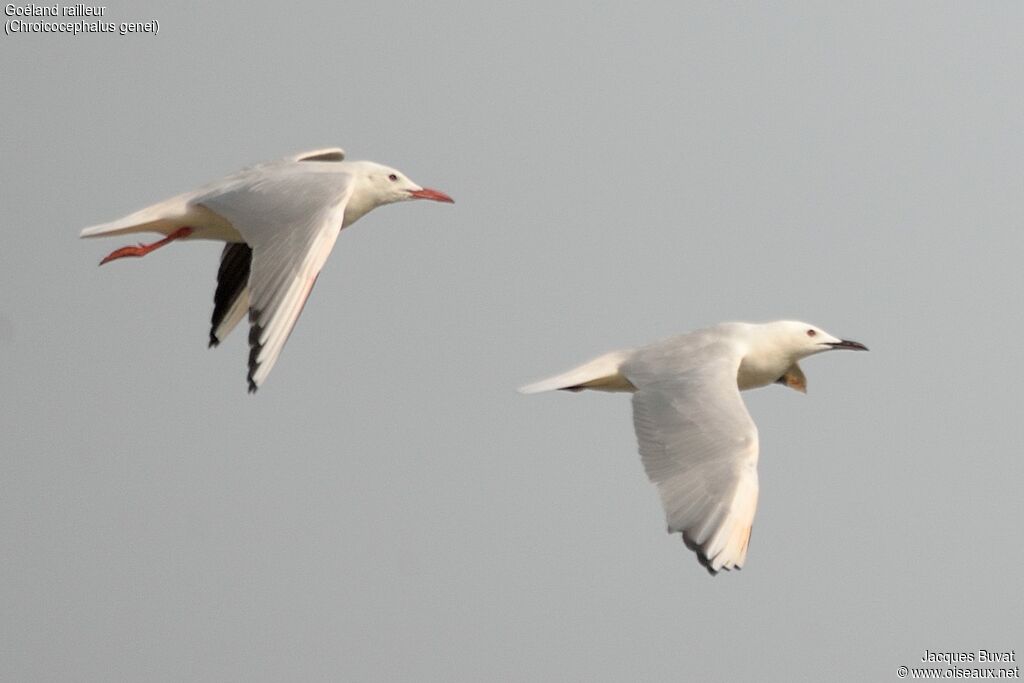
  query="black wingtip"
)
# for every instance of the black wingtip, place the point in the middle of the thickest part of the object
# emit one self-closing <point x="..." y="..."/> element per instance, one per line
<point x="255" y="330"/>
<point x="214" y="342"/>
<point x="706" y="563"/>
<point x="701" y="557"/>
<point x="232" y="279"/>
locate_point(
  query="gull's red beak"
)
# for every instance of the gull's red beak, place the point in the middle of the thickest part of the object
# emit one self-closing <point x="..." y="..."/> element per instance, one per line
<point x="427" y="193"/>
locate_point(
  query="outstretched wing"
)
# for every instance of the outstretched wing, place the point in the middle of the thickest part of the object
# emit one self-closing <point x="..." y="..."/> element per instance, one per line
<point x="698" y="445"/>
<point x="290" y="215"/>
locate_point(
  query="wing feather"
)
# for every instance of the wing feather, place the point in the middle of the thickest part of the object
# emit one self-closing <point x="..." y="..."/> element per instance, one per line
<point x="231" y="298"/>
<point x="698" y="443"/>
<point x="289" y="215"/>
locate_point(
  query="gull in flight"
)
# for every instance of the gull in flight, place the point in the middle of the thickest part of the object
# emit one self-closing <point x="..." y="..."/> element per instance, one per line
<point x="280" y="221"/>
<point x="697" y="441"/>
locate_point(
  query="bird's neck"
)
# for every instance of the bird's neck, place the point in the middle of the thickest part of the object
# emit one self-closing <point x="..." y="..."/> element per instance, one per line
<point x="763" y="367"/>
<point x="360" y="204"/>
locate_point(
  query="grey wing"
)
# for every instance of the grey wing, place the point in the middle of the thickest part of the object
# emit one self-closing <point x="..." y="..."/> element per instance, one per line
<point x="699" y="447"/>
<point x="290" y="216"/>
<point x="325" y="154"/>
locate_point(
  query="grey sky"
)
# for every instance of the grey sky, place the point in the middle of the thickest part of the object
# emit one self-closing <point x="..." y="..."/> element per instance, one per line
<point x="387" y="507"/>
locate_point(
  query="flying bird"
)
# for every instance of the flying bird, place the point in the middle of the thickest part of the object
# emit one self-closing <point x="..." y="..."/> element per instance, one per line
<point x="280" y="220"/>
<point x="697" y="441"/>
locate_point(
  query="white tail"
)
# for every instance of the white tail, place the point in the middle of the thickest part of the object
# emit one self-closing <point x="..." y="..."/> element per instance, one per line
<point x="166" y="217"/>
<point x="600" y="374"/>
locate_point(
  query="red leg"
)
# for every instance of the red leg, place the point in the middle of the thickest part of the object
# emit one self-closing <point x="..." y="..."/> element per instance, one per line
<point x="144" y="249"/>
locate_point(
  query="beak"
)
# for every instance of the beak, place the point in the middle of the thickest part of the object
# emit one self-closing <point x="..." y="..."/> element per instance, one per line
<point x="847" y="344"/>
<point x="427" y="193"/>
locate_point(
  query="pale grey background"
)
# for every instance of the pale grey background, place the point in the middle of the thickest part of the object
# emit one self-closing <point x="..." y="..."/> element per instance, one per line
<point x="387" y="507"/>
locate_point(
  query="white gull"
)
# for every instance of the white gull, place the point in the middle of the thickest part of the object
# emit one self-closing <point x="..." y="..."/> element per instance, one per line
<point x="280" y="221"/>
<point x="697" y="440"/>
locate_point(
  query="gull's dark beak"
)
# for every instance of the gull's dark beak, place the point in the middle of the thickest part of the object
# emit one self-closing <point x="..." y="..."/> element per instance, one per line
<point x="435" y="195"/>
<point x="847" y="344"/>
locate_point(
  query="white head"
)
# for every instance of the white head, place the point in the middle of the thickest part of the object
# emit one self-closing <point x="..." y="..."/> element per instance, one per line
<point x="798" y="340"/>
<point x="377" y="185"/>
<point x="776" y="347"/>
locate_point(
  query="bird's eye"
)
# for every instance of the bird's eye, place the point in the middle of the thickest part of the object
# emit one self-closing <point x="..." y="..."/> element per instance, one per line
<point x="811" y="333"/>
<point x="393" y="177"/>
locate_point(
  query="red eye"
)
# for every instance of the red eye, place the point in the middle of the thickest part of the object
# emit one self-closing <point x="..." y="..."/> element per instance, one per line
<point x="811" y="333"/>
<point x="393" y="178"/>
